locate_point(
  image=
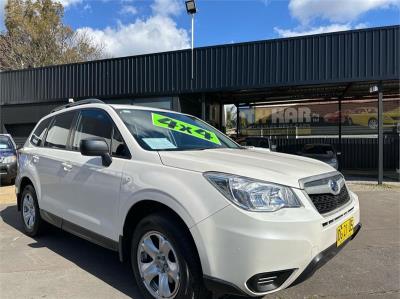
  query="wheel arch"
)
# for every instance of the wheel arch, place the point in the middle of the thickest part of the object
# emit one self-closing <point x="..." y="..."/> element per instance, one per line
<point x="142" y="209"/>
<point x="25" y="181"/>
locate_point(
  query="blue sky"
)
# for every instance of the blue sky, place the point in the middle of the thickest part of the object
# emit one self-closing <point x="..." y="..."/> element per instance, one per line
<point x="128" y="27"/>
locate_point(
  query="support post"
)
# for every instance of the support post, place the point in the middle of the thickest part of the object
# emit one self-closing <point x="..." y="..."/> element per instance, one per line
<point x="380" y="136"/>
<point x="221" y="116"/>
<point x="1" y="120"/>
<point x="203" y="107"/>
<point x="237" y="121"/>
<point x="192" y="46"/>
<point x="339" y="150"/>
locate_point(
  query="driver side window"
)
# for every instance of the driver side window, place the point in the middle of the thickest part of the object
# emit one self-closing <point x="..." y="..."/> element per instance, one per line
<point x="92" y="123"/>
<point x="96" y="123"/>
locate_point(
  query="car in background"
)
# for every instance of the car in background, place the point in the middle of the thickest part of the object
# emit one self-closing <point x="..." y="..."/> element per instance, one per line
<point x="257" y="141"/>
<point x="368" y="117"/>
<point x="322" y="152"/>
<point x="8" y="159"/>
<point x="333" y="117"/>
<point x="394" y="114"/>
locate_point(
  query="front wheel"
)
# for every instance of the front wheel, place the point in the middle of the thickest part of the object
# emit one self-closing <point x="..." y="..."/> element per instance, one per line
<point x="30" y="214"/>
<point x="163" y="260"/>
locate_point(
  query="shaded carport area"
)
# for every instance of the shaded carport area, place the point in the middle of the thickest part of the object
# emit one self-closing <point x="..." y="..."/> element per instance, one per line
<point x="362" y="122"/>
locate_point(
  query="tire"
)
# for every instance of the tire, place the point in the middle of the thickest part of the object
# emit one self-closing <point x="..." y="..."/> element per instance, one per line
<point x="5" y="182"/>
<point x="179" y="262"/>
<point x="349" y="121"/>
<point x="30" y="213"/>
<point x="373" y="123"/>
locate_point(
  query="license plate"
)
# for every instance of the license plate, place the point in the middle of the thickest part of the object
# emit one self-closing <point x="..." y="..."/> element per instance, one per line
<point x="344" y="231"/>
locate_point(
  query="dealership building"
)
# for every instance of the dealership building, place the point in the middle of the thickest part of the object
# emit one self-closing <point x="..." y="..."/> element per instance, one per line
<point x="337" y="88"/>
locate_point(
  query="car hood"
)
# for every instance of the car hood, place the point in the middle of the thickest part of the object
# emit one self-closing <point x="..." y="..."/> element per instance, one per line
<point x="6" y="153"/>
<point x="263" y="165"/>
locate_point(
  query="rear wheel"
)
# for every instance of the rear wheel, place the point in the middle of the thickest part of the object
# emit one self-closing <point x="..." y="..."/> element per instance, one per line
<point x="30" y="213"/>
<point x="373" y="123"/>
<point x="163" y="260"/>
<point x="6" y="182"/>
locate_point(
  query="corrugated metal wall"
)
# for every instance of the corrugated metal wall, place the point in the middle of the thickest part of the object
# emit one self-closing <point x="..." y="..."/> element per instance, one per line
<point x="361" y="55"/>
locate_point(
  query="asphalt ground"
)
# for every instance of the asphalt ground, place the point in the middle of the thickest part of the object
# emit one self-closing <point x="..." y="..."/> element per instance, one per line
<point x="60" y="265"/>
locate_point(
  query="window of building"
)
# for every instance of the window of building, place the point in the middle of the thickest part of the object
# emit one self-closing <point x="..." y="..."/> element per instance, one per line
<point x="57" y="136"/>
<point x="160" y="103"/>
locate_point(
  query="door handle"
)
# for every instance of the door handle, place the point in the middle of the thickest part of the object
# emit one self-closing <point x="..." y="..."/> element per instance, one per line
<point x="67" y="167"/>
<point x="35" y="159"/>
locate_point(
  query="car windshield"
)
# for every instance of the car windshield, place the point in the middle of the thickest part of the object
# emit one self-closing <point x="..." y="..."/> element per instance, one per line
<point x="318" y="149"/>
<point x="5" y="143"/>
<point x="168" y="131"/>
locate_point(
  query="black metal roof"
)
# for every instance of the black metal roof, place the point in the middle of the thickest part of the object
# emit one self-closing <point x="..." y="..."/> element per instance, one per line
<point x="333" y="58"/>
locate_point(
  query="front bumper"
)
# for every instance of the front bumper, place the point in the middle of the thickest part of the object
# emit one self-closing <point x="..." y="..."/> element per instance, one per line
<point x="324" y="257"/>
<point x="8" y="170"/>
<point x="235" y="245"/>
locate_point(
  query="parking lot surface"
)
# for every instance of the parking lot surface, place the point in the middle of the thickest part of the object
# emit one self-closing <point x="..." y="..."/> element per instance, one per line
<point x="59" y="265"/>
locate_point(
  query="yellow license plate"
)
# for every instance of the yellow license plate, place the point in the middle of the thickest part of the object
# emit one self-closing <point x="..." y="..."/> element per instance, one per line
<point x="344" y="231"/>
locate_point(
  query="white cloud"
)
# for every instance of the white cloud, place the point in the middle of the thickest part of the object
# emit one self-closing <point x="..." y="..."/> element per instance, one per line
<point x="312" y="30"/>
<point x="129" y="9"/>
<point x="87" y="7"/>
<point x="156" y="33"/>
<point x="339" y="11"/>
<point x="167" y="7"/>
<point x="67" y="3"/>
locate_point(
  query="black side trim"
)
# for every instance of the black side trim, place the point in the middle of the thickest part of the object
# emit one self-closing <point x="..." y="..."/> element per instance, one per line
<point x="121" y="248"/>
<point x="51" y="218"/>
<point x="79" y="231"/>
<point x="322" y="258"/>
<point x="89" y="235"/>
<point x="220" y="287"/>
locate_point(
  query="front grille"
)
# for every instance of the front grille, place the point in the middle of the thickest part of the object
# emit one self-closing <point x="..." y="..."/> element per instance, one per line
<point x="327" y="202"/>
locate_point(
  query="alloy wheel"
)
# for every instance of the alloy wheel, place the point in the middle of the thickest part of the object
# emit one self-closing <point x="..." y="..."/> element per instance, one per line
<point x="28" y="211"/>
<point x="373" y="123"/>
<point x="158" y="265"/>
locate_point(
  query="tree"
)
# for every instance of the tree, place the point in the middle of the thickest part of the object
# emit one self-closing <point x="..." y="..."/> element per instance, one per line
<point x="35" y="36"/>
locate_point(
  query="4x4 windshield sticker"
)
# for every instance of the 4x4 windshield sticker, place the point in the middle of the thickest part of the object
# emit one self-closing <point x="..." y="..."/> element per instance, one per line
<point x="183" y="127"/>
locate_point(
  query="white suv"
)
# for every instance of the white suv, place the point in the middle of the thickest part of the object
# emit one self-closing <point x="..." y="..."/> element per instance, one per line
<point x="190" y="209"/>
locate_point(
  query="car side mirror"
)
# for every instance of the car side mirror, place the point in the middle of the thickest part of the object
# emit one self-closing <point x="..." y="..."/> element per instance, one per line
<point x="96" y="148"/>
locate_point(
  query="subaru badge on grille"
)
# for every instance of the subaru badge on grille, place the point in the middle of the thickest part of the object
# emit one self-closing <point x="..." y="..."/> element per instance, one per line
<point x="334" y="186"/>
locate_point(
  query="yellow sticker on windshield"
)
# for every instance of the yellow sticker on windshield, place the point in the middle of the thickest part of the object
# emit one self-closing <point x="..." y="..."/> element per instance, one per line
<point x="183" y="127"/>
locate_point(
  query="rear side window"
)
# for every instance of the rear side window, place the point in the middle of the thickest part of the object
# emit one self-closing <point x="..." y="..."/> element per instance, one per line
<point x="38" y="135"/>
<point x="58" y="133"/>
<point x="93" y="123"/>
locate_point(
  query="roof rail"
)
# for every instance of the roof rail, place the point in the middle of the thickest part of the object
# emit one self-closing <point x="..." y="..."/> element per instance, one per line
<point x="78" y="103"/>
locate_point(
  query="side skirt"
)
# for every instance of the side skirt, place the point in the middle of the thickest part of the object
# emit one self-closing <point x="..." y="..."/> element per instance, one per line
<point x="80" y="231"/>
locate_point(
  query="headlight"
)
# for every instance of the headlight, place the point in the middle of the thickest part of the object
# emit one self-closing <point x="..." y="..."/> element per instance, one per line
<point x="10" y="159"/>
<point x="253" y="195"/>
